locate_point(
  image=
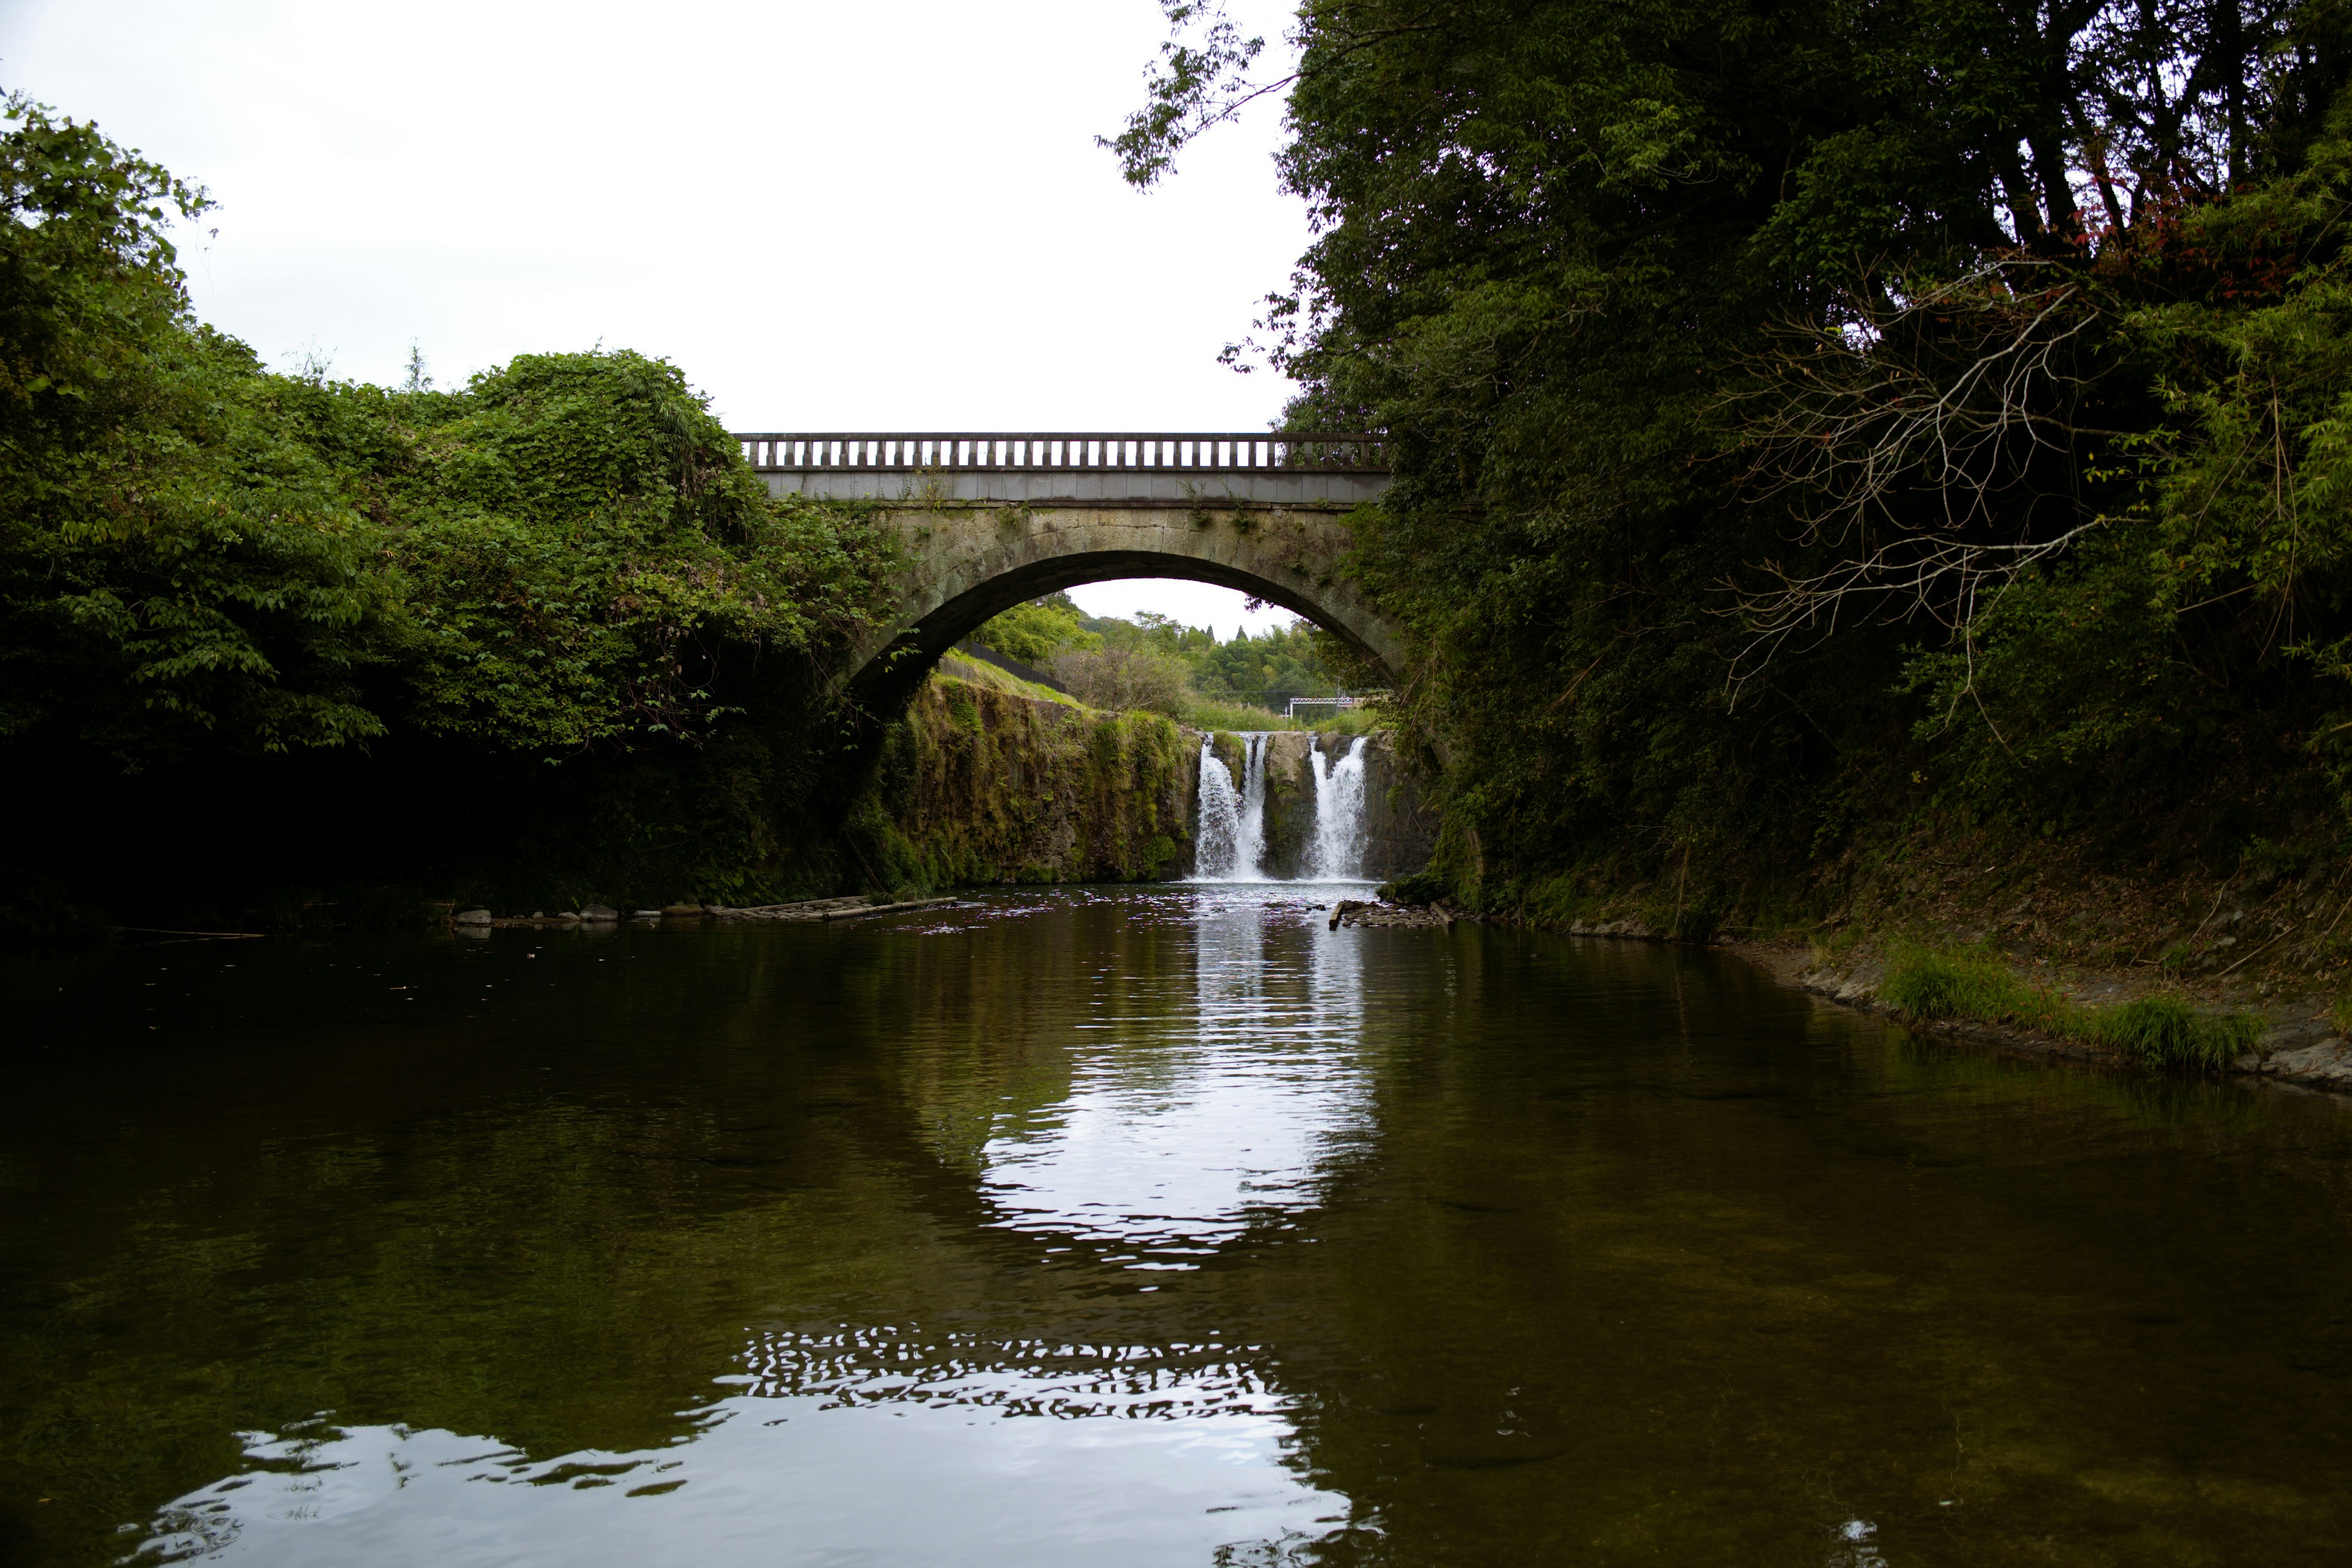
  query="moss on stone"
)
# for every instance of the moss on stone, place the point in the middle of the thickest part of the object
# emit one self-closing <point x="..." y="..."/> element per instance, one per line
<point x="989" y="787"/>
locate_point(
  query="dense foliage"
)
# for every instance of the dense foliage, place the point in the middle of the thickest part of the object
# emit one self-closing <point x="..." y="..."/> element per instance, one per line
<point x="1817" y="418"/>
<point x="1264" y="670"/>
<point x="243" y="614"/>
<point x="179" y="564"/>
<point x="1035" y="632"/>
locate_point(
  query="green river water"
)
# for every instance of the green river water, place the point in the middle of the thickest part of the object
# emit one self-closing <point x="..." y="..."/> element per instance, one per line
<point x="1132" y="1227"/>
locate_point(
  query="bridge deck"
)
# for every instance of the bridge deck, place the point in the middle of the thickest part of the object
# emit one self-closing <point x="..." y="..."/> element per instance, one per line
<point x="1073" y="469"/>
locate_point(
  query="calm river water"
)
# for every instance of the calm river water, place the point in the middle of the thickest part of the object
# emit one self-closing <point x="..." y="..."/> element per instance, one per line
<point x="1127" y="1228"/>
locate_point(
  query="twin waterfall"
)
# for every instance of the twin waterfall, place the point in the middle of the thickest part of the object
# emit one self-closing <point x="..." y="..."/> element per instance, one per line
<point x="1232" y="839"/>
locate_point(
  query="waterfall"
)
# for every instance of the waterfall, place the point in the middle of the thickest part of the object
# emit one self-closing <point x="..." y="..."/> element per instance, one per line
<point x="1250" y="864"/>
<point x="1233" y="821"/>
<point x="1338" y="852"/>
<point x="1221" y="817"/>
<point x="1231" y="843"/>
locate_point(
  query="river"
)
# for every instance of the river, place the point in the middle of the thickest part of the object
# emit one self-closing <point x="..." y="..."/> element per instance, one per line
<point x="1132" y="1227"/>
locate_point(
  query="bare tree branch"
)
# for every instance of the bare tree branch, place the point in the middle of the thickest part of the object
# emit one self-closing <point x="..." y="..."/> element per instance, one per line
<point x="1912" y="437"/>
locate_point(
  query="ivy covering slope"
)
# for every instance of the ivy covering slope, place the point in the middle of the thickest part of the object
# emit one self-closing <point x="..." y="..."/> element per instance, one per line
<point x="1822" y="423"/>
<point x="546" y="636"/>
<point x="978" y="784"/>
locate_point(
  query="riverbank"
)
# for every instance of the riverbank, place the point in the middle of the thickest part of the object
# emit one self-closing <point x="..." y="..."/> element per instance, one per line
<point x="2177" y="955"/>
<point x="2056" y="962"/>
<point x="2294" y="1040"/>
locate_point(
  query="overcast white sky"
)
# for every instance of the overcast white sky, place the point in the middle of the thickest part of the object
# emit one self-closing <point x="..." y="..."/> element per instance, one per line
<point x="890" y="214"/>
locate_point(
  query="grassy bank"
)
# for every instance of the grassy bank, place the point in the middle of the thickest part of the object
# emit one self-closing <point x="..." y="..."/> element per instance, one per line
<point x="2163" y="1028"/>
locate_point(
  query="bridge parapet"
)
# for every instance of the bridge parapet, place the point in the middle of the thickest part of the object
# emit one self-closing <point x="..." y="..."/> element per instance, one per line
<point x="1073" y="469"/>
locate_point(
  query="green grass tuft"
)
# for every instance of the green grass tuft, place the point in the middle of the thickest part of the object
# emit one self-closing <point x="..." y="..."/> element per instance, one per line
<point x="1968" y="984"/>
<point x="971" y="672"/>
<point x="1348" y="720"/>
<point x="2161" y="1030"/>
<point x="2167" y="1031"/>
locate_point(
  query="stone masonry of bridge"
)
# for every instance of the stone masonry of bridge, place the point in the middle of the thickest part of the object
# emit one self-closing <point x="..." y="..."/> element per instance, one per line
<point x="988" y="522"/>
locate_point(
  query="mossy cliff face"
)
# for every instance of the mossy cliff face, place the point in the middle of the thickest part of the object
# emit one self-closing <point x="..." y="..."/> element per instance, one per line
<point x="980" y="785"/>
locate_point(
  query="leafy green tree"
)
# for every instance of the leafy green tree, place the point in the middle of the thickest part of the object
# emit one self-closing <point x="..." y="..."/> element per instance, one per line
<point x="180" y="566"/>
<point x="252" y="625"/>
<point x="1035" y="632"/>
<point x="592" y="563"/>
<point x="1264" y="671"/>
<point x="1789" y="404"/>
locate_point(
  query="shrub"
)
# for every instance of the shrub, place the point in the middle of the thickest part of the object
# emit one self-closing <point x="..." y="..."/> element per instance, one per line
<point x="1971" y="984"/>
<point x="1124" y="678"/>
<point x="1421" y="888"/>
<point x="1209" y="714"/>
<point x="2167" y="1031"/>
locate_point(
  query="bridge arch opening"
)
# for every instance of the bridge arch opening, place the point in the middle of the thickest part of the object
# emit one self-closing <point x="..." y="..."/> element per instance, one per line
<point x="889" y="677"/>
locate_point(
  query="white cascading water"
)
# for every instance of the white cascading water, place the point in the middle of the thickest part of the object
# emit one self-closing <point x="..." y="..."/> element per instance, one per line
<point x="1221" y="817"/>
<point x="1233" y="817"/>
<point x="1337" y="853"/>
<point x="1233" y="821"/>
<point x="1250" y="864"/>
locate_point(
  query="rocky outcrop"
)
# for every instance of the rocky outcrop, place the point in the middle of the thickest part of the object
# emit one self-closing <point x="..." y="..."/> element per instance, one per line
<point x="1400" y="825"/>
<point x="1377" y="912"/>
<point x="1289" y="802"/>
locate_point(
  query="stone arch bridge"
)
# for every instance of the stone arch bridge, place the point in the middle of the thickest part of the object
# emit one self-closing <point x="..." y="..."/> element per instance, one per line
<point x="989" y="521"/>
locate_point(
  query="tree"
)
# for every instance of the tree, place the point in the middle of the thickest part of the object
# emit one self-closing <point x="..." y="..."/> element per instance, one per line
<point x="178" y="566"/>
<point x="1035" y="631"/>
<point x="1130" y="678"/>
<point x="1749" y="373"/>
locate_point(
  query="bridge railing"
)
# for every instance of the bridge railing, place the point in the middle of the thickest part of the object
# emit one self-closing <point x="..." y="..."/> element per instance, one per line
<point x="1000" y="451"/>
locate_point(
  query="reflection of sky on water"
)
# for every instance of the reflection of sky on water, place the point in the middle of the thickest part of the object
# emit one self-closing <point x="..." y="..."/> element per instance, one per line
<point x="906" y="1445"/>
<point x="865" y="1447"/>
<point x="1185" y="1125"/>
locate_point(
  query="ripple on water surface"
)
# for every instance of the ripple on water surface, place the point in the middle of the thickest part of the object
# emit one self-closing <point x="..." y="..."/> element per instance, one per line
<point x="880" y="1446"/>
